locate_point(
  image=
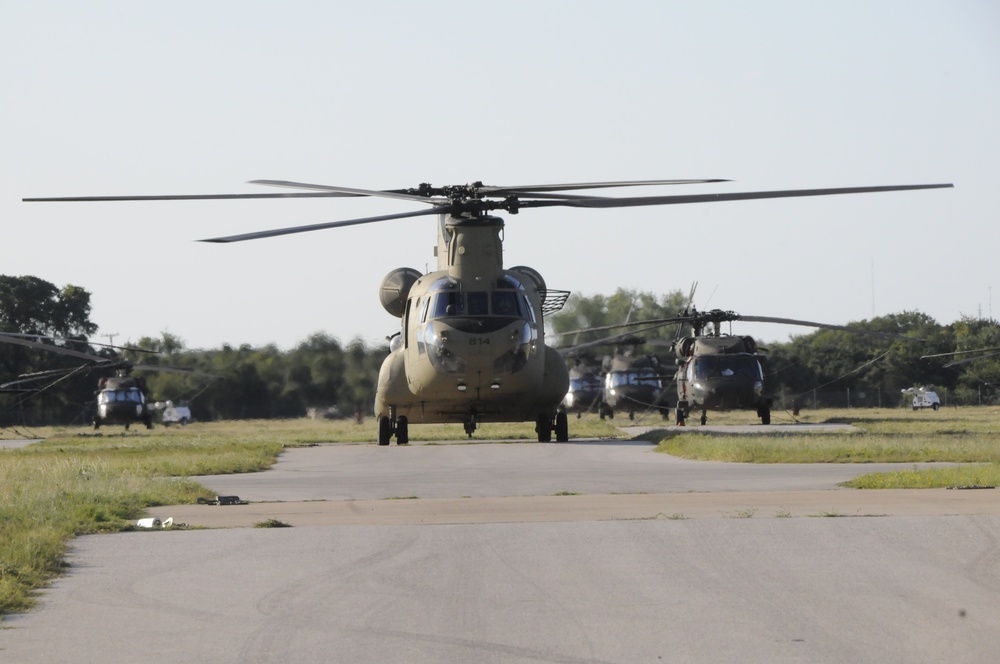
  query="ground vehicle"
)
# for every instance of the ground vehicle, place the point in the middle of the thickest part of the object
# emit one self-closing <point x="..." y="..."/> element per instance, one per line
<point x="923" y="398"/>
<point x="171" y="413"/>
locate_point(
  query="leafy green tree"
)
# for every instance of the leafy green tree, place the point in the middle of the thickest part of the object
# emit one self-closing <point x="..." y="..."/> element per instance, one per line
<point x="31" y="305"/>
<point x="583" y="316"/>
<point x="977" y="373"/>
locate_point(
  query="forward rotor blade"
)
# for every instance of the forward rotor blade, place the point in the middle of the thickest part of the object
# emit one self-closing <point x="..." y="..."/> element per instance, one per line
<point x="24" y="335"/>
<point x="639" y="201"/>
<point x="177" y="370"/>
<point x="959" y="352"/>
<point x="183" y="197"/>
<point x="653" y="323"/>
<point x="351" y="191"/>
<point x="29" y="343"/>
<point x="332" y="224"/>
<point x="970" y="359"/>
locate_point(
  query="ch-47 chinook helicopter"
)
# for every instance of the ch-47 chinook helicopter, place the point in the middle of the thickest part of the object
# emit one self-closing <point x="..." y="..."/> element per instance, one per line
<point x="471" y="347"/>
<point x="121" y="397"/>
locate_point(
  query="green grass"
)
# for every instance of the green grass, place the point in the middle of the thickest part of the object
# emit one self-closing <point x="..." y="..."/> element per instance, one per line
<point x="77" y="481"/>
<point x="966" y="436"/>
<point x="72" y="484"/>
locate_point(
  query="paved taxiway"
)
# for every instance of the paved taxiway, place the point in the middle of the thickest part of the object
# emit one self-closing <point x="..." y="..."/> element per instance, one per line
<point x="591" y="551"/>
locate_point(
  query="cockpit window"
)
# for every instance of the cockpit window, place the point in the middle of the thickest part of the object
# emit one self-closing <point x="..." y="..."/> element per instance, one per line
<point x="448" y="304"/>
<point x="479" y="303"/>
<point x="505" y="303"/>
<point x="510" y="282"/>
<point x="722" y="366"/>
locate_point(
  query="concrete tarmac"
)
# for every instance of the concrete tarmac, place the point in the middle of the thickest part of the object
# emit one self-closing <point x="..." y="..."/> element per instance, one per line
<point x="589" y="551"/>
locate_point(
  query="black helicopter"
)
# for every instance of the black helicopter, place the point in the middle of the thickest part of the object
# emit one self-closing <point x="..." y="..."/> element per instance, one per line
<point x="586" y="387"/>
<point x="719" y="371"/>
<point x="626" y="381"/>
<point x="471" y="347"/>
<point x="122" y="399"/>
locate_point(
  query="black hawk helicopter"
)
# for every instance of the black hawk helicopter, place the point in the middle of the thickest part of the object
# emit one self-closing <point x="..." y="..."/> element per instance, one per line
<point x="586" y="386"/>
<point x="723" y="371"/>
<point x="625" y="380"/>
<point x="471" y="347"/>
<point x="122" y="399"/>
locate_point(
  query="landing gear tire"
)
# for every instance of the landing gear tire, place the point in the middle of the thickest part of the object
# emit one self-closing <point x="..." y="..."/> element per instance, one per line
<point x="543" y="427"/>
<point x="384" y="430"/>
<point x="704" y="418"/>
<point x="936" y="406"/>
<point x="402" y="431"/>
<point x="765" y="416"/>
<point x="562" y="428"/>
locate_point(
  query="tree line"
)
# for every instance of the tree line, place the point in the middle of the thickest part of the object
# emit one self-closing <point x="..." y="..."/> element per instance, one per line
<point x="325" y="377"/>
<point x="824" y="367"/>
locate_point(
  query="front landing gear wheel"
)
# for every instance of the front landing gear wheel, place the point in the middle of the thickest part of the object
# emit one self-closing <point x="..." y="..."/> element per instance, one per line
<point x="402" y="431"/>
<point x="543" y="427"/>
<point x="562" y="428"/>
<point x="384" y="430"/>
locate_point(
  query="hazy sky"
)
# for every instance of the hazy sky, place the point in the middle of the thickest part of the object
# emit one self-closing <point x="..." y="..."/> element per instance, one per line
<point x="186" y="97"/>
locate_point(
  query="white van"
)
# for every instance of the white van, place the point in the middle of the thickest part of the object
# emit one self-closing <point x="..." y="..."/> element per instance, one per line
<point x="924" y="398"/>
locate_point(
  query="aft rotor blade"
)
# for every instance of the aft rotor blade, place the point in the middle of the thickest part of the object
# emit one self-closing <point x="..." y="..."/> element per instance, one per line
<point x="332" y="224"/>
<point x="639" y="201"/>
<point x="532" y="188"/>
<point x="352" y="191"/>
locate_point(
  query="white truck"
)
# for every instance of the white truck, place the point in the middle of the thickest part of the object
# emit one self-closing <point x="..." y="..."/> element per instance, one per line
<point x="923" y="397"/>
<point x="171" y="413"/>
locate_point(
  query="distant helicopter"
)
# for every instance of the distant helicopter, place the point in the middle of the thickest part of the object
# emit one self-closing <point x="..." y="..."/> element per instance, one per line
<point x="586" y="387"/>
<point x="625" y="380"/>
<point x="717" y="371"/>
<point x="122" y="399"/>
<point x="634" y="381"/>
<point x="472" y="344"/>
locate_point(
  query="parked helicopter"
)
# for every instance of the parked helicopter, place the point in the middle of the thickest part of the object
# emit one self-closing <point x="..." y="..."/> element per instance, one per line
<point x="472" y="343"/>
<point x="718" y="371"/>
<point x="625" y="380"/>
<point x="586" y="387"/>
<point x="122" y="399"/>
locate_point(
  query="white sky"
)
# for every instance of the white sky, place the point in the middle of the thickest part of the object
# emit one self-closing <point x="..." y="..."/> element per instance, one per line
<point x="102" y="98"/>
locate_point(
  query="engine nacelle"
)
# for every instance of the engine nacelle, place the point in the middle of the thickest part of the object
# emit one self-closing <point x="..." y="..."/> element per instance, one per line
<point x="396" y="288"/>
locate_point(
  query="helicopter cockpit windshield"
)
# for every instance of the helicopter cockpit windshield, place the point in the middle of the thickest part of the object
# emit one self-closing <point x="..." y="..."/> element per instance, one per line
<point x="642" y="376"/>
<point x="132" y="395"/>
<point x="496" y="306"/>
<point x="487" y="310"/>
<point x="727" y="366"/>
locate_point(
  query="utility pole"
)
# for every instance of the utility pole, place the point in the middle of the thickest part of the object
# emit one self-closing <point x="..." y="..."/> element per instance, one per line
<point x="111" y="338"/>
